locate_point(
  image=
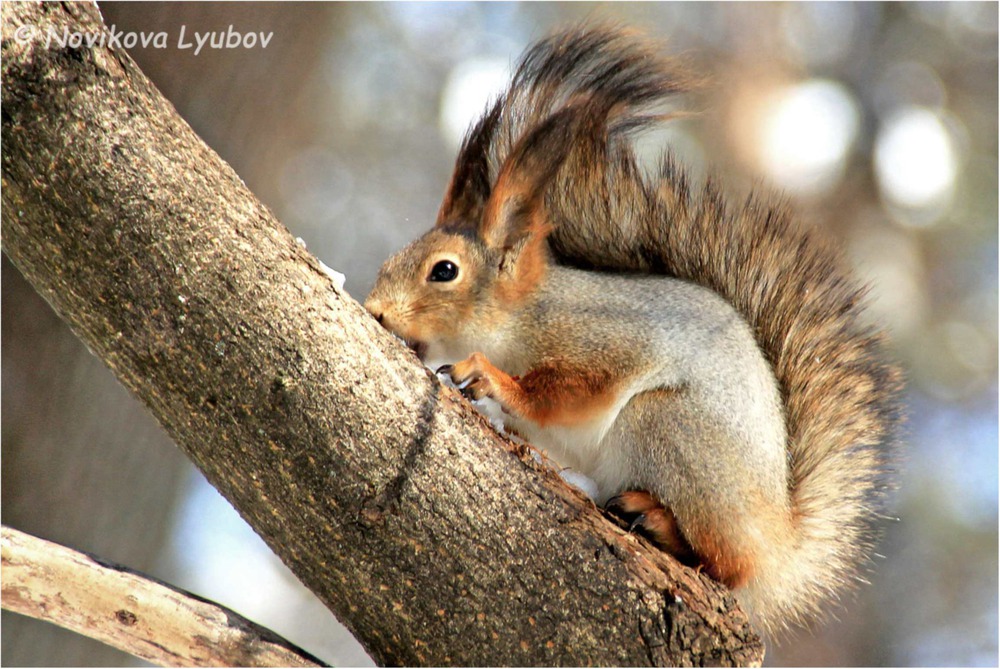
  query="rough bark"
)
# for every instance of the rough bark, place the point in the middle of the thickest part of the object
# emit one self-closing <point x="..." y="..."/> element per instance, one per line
<point x="433" y="539"/>
<point x="133" y="612"/>
<point x="64" y="416"/>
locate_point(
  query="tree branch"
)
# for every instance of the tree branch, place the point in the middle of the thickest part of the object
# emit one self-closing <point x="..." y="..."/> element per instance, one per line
<point x="433" y="539"/>
<point x="133" y="612"/>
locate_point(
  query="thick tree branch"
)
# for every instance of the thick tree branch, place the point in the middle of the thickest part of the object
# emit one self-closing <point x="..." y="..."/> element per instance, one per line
<point x="133" y="612"/>
<point x="434" y="540"/>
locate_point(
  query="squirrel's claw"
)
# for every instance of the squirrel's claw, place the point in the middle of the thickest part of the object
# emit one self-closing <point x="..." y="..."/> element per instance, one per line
<point x="638" y="523"/>
<point x="631" y="504"/>
<point x="470" y="393"/>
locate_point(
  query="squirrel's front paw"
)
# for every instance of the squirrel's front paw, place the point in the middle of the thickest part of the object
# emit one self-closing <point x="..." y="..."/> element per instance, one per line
<point x="473" y="376"/>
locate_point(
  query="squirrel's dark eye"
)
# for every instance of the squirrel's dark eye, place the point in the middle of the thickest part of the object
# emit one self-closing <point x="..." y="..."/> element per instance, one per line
<point x="444" y="270"/>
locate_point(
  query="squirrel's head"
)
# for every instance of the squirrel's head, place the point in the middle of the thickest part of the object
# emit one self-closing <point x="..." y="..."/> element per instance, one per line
<point x="448" y="291"/>
<point x="427" y="292"/>
<point x="457" y="285"/>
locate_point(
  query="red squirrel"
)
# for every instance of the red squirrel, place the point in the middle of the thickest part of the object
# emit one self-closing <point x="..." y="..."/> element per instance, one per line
<point x="706" y="365"/>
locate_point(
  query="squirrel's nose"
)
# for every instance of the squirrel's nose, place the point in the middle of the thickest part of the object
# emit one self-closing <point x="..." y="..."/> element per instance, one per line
<point x="376" y="310"/>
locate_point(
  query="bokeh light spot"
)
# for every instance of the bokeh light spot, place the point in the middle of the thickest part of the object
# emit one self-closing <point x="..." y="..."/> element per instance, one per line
<point x="915" y="159"/>
<point x="471" y="85"/>
<point x="808" y="135"/>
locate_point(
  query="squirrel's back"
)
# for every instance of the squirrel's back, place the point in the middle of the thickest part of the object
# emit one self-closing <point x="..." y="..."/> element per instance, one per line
<point x="794" y="290"/>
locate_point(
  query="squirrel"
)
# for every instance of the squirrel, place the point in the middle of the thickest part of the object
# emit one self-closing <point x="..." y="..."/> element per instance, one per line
<point x="708" y="366"/>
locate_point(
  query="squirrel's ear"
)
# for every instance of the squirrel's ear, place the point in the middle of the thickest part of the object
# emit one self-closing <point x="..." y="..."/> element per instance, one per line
<point x="514" y="209"/>
<point x="469" y="188"/>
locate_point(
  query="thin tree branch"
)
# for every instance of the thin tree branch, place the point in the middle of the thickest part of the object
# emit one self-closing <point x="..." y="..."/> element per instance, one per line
<point x="133" y="612"/>
<point x="434" y="540"/>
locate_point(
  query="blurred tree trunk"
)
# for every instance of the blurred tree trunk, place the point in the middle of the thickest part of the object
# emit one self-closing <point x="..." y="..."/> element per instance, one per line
<point x="83" y="463"/>
<point x="385" y="493"/>
<point x="126" y="609"/>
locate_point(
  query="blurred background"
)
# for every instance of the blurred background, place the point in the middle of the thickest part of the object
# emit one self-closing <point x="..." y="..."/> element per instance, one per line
<point x="879" y="121"/>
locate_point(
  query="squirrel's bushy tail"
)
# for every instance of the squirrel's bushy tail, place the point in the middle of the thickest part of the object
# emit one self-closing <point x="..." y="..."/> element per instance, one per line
<point x="796" y="292"/>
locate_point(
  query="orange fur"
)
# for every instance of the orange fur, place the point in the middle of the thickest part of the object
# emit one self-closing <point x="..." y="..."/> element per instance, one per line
<point x="549" y="394"/>
<point x="724" y="561"/>
<point x="529" y="272"/>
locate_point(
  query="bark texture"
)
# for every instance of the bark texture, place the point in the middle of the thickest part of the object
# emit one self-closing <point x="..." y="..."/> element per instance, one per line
<point x="133" y="612"/>
<point x="433" y="539"/>
<point x="64" y="416"/>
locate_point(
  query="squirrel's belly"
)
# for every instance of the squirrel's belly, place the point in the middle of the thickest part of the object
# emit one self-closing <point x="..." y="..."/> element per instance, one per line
<point x="582" y="448"/>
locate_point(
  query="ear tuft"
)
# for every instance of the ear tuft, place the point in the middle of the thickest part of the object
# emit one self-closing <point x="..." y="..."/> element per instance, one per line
<point x="515" y="209"/>
<point x="470" y="187"/>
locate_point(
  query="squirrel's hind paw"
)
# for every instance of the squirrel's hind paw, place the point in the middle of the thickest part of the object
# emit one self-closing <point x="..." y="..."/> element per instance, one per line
<point x="645" y="513"/>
